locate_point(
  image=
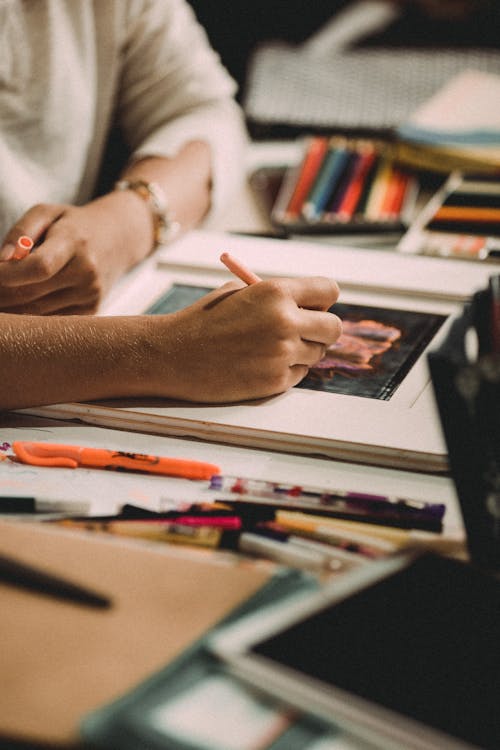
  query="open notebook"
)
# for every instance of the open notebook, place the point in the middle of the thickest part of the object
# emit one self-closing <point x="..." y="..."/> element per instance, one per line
<point x="388" y="418"/>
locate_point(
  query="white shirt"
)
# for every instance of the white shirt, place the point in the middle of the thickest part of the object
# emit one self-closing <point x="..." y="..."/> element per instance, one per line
<point x="68" y="68"/>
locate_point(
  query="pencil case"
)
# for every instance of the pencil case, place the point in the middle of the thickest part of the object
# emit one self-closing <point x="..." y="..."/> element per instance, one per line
<point x="344" y="185"/>
<point x="461" y="220"/>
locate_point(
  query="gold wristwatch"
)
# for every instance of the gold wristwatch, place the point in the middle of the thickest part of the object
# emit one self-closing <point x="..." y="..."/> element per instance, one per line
<point x="165" y="227"/>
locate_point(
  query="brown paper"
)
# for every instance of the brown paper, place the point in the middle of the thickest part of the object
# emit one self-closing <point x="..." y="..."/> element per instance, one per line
<point x="61" y="660"/>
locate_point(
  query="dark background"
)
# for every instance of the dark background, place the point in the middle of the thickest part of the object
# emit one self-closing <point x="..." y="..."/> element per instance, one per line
<point x="235" y="29"/>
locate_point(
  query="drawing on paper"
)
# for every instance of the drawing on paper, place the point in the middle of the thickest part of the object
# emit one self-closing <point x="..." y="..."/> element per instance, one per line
<point x="377" y="348"/>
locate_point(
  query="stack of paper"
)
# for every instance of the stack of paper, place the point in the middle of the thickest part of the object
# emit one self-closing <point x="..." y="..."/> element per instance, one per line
<point x="457" y="128"/>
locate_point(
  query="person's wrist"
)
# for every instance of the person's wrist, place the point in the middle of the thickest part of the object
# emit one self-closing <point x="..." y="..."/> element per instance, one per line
<point x="165" y="227"/>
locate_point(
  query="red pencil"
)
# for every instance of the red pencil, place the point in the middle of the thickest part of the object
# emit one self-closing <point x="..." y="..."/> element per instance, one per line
<point x="351" y="198"/>
<point x="307" y="173"/>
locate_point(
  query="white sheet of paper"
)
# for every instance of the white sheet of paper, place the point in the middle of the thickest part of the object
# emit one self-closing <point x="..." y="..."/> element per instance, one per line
<point x="381" y="271"/>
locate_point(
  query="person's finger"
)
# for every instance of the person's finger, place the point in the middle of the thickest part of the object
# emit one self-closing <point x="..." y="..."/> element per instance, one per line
<point x="20" y="250"/>
<point x="313" y="293"/>
<point x="309" y="353"/>
<point x="76" y="284"/>
<point x="46" y="261"/>
<point x="297" y="373"/>
<point x="320" y="327"/>
<point x="51" y="304"/>
<point x="33" y="224"/>
<point x="77" y="310"/>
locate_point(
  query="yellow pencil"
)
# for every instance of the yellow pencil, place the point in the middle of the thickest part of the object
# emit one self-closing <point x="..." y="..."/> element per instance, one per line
<point x="373" y="534"/>
<point x="378" y="191"/>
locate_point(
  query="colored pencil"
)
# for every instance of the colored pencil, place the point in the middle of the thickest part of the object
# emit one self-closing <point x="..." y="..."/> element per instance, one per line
<point x="326" y="180"/>
<point x="309" y="168"/>
<point x="394" y="196"/>
<point x="378" y="190"/>
<point x="331" y="212"/>
<point x="368" y="184"/>
<point x="467" y="213"/>
<point x="350" y="200"/>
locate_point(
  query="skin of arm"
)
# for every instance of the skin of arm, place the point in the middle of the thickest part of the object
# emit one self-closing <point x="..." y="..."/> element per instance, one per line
<point x="84" y="249"/>
<point x="236" y="343"/>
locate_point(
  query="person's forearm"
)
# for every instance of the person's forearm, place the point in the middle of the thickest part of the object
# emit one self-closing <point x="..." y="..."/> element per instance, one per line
<point x="185" y="180"/>
<point x="235" y="343"/>
<point x="72" y="358"/>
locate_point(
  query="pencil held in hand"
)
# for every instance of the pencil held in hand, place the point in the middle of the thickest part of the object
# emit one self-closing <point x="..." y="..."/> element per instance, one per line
<point x="239" y="270"/>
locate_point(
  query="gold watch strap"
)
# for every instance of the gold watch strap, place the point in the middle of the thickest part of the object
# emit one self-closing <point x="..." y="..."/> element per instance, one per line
<point x="165" y="227"/>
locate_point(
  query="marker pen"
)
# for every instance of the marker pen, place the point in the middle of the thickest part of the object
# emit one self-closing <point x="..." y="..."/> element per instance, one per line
<point x="325" y="497"/>
<point x="160" y="531"/>
<point x="23" y="247"/>
<point x="292" y="555"/>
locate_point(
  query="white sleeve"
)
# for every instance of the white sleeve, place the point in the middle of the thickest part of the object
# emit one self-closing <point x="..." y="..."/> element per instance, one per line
<point x="174" y="89"/>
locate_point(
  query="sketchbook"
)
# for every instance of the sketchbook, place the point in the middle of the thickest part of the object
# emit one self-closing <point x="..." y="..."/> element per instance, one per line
<point x="61" y="660"/>
<point x="354" y="269"/>
<point x="370" y="400"/>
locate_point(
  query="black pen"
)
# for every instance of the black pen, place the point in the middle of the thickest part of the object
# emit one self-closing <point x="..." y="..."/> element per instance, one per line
<point x="22" y="575"/>
<point x="29" y="504"/>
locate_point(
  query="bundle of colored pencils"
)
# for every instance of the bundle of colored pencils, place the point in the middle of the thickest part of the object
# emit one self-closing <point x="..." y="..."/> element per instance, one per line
<point x="345" y="184"/>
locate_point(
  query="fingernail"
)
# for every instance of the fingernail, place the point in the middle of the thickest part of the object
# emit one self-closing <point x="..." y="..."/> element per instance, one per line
<point x="7" y="252"/>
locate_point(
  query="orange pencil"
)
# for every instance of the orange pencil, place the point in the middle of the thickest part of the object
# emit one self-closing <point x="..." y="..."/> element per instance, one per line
<point x="239" y="270"/>
<point x="400" y="194"/>
<point x="394" y="195"/>
<point x="378" y="191"/>
<point x="467" y="213"/>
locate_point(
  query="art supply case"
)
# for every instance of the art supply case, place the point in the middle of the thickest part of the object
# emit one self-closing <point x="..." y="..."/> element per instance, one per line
<point x="344" y="185"/>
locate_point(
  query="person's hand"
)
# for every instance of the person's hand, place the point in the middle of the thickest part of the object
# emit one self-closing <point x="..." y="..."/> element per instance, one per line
<point x="241" y="343"/>
<point x="79" y="252"/>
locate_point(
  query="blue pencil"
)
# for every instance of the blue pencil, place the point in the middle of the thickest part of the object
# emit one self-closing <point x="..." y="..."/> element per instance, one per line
<point x="343" y="183"/>
<point x="328" y="177"/>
